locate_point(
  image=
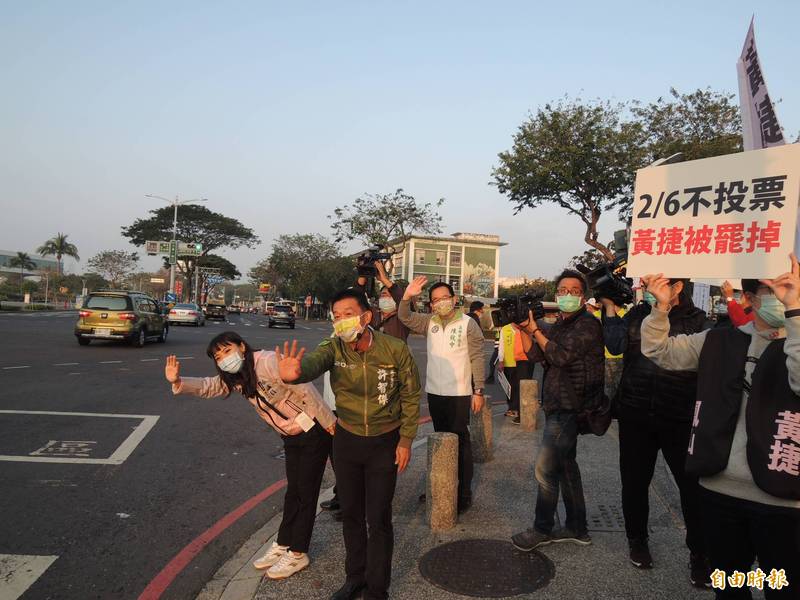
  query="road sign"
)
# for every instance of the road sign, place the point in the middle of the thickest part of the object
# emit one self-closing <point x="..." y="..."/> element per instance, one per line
<point x="215" y="280"/>
<point x="156" y="280"/>
<point x="173" y="252"/>
<point x="170" y="297"/>
<point x="308" y="300"/>
<point x="154" y="247"/>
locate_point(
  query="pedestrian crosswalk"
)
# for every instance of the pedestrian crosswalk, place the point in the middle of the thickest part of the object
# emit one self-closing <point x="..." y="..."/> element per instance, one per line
<point x="19" y="571"/>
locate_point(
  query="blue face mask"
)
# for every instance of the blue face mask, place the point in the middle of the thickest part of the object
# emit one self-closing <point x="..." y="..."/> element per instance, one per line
<point x="650" y="299"/>
<point x="568" y="304"/>
<point x="772" y="311"/>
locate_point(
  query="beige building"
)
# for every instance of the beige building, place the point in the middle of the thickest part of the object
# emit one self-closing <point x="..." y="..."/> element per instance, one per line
<point x="470" y="262"/>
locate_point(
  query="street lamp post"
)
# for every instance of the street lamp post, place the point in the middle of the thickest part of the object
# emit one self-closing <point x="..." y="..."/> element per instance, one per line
<point x="175" y="204"/>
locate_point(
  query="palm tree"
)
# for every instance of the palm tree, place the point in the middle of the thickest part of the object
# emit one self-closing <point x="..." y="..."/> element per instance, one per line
<point x="58" y="246"/>
<point x="23" y="261"/>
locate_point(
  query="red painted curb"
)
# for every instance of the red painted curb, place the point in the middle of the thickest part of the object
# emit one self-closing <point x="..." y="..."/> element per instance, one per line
<point x="162" y="581"/>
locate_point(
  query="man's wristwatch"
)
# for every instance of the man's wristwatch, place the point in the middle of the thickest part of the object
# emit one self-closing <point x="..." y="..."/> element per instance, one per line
<point x="478" y="391"/>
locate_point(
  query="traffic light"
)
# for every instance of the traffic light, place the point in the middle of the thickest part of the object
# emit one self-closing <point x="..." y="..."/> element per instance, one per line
<point x="198" y="247"/>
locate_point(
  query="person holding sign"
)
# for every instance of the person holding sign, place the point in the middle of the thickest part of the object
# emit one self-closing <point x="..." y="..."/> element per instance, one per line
<point x="300" y="417"/>
<point x="745" y="439"/>
<point x="654" y="408"/>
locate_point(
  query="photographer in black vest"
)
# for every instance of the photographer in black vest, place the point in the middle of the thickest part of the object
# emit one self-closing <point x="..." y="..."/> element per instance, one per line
<point x="745" y="439"/>
<point x="655" y="407"/>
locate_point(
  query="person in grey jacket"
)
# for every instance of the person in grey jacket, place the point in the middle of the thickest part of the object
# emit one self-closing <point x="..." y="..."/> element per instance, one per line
<point x="455" y="371"/>
<point x="750" y="488"/>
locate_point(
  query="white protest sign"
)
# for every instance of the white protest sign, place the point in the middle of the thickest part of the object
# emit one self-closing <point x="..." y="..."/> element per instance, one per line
<point x="722" y="217"/>
<point x="701" y="296"/>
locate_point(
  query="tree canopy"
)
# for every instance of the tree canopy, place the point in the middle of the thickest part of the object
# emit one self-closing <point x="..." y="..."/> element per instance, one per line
<point x="381" y="218"/>
<point x="583" y="155"/>
<point x="303" y="264"/>
<point x="114" y="265"/>
<point x="59" y="247"/>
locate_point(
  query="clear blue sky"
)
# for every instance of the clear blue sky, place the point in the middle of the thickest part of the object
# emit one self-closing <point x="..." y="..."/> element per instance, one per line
<point x="278" y="112"/>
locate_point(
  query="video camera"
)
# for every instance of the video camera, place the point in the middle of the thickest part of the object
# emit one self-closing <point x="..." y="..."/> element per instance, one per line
<point x="608" y="280"/>
<point x="365" y="261"/>
<point x="515" y="309"/>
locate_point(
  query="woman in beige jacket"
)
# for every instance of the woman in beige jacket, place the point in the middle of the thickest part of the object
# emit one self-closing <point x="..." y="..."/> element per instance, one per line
<point x="296" y="412"/>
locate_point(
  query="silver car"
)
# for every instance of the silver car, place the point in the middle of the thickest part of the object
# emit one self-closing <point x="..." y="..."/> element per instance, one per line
<point x="189" y="314"/>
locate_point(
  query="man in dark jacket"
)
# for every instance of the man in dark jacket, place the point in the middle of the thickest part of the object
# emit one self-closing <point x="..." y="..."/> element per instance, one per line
<point x="655" y="408"/>
<point x="574" y="362"/>
<point x="385" y="318"/>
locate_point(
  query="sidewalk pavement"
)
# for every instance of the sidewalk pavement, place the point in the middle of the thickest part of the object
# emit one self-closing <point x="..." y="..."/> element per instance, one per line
<point x="504" y="496"/>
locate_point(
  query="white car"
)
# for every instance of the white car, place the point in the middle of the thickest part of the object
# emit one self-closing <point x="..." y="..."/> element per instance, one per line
<point x="189" y="314"/>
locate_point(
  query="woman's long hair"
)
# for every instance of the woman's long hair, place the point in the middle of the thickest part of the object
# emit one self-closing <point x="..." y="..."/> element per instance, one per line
<point x="245" y="380"/>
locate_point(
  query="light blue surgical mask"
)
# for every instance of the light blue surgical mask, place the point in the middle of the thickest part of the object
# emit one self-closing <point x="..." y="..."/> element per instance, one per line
<point x="650" y="299"/>
<point x="568" y="304"/>
<point x="772" y="311"/>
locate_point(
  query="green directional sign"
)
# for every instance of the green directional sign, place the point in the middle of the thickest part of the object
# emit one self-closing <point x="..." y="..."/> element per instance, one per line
<point x="173" y="252"/>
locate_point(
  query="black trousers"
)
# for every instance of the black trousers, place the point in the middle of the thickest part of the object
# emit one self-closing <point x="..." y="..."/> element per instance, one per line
<point x="523" y="370"/>
<point x="366" y="475"/>
<point x="451" y="414"/>
<point x="640" y="439"/>
<point x="306" y="454"/>
<point x="738" y="531"/>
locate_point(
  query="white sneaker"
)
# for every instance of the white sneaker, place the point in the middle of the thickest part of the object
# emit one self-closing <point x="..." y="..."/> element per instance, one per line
<point x="271" y="557"/>
<point x="288" y="565"/>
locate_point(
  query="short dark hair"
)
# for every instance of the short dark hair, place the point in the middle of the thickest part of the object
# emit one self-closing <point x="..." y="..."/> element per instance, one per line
<point x="751" y="285"/>
<point x="570" y="274"/>
<point x="476" y="305"/>
<point x="356" y="295"/>
<point x="439" y="284"/>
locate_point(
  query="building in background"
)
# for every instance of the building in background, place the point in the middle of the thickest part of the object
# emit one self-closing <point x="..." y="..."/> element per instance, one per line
<point x="470" y="262"/>
<point x="42" y="264"/>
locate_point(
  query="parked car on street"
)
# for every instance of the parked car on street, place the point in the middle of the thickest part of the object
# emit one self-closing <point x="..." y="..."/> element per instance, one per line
<point x="282" y="314"/>
<point x="235" y="309"/>
<point x="216" y="310"/>
<point x="189" y="314"/>
<point x="121" y="315"/>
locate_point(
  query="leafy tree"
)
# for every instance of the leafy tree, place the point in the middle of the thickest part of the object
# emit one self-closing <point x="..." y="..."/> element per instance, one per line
<point x="590" y="258"/>
<point x="188" y="264"/>
<point x="701" y="124"/>
<point x="583" y="156"/>
<point x="579" y="155"/>
<point x="195" y="224"/>
<point x="23" y="261"/>
<point x="536" y="285"/>
<point x="303" y="264"/>
<point x="114" y="265"/>
<point x="59" y="247"/>
<point x="384" y="218"/>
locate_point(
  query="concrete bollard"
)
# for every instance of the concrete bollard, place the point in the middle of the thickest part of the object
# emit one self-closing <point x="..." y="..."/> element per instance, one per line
<point x="442" y="487"/>
<point x="528" y="404"/>
<point x="480" y="430"/>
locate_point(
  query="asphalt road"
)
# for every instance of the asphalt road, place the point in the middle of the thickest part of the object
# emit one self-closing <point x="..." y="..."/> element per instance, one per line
<point x="154" y="485"/>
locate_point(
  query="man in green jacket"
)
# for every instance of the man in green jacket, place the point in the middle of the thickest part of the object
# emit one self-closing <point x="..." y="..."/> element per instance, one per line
<point x="377" y="388"/>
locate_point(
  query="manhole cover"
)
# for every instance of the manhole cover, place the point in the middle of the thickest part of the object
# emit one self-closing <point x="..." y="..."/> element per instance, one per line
<point x="485" y="569"/>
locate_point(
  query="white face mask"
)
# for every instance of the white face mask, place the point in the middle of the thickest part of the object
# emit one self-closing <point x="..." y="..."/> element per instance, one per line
<point x="387" y="304"/>
<point x="231" y="363"/>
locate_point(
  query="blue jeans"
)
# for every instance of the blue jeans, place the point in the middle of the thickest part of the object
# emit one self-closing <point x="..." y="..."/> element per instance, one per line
<point x="556" y="467"/>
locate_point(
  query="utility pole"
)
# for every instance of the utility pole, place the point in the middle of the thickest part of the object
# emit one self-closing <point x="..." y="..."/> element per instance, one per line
<point x="175" y="204"/>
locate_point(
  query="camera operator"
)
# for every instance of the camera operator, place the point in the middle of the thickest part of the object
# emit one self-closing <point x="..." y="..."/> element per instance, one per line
<point x="744" y="441"/>
<point x="654" y="409"/>
<point x="385" y="319"/>
<point x="572" y="352"/>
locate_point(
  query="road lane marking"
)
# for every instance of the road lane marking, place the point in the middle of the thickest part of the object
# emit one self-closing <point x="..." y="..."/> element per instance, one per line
<point x="19" y="367"/>
<point x="19" y="571"/>
<point x="65" y="364"/>
<point x="148" y="359"/>
<point x="156" y="588"/>
<point x="117" y="458"/>
<point x="185" y="357"/>
<point x="110" y="362"/>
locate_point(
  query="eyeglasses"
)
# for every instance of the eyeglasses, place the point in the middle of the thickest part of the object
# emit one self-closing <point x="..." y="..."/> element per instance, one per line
<point x="571" y="291"/>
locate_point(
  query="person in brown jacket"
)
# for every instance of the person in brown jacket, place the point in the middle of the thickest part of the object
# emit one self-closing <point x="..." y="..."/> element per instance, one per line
<point x="296" y="412"/>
